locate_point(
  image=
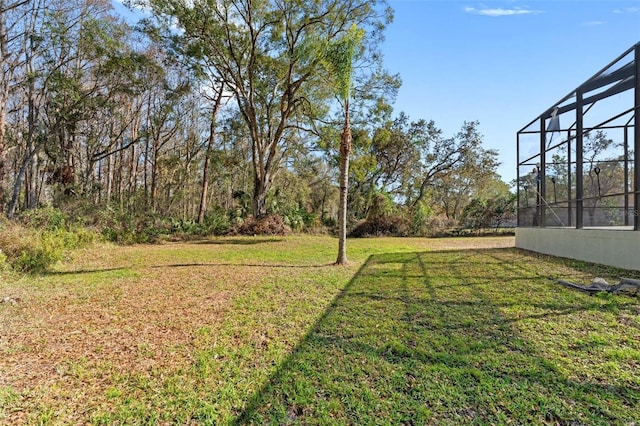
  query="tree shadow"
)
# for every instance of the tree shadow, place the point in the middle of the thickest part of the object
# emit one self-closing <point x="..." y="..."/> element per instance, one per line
<point x="240" y="241"/>
<point x="78" y="272"/>
<point x="423" y="338"/>
<point x="256" y="265"/>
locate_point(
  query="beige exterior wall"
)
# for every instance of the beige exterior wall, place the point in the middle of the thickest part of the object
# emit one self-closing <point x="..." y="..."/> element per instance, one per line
<point x="608" y="247"/>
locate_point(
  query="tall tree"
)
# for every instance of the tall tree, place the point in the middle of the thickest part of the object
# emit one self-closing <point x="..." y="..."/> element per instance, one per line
<point x="204" y="194"/>
<point x="9" y="21"/>
<point x="26" y="81"/>
<point x="340" y="58"/>
<point x="265" y="52"/>
<point x="89" y="73"/>
<point x="475" y="176"/>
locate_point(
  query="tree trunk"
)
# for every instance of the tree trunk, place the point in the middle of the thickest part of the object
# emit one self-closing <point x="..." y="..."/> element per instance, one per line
<point x="260" y="188"/>
<point x="153" y="194"/>
<point x="32" y="173"/>
<point x="108" y="175"/>
<point x="4" y="95"/>
<point x="30" y="151"/>
<point x="13" y="204"/>
<point x="135" y="163"/>
<point x="145" y="172"/>
<point x="154" y="177"/>
<point x="205" y="185"/>
<point x="120" y="173"/>
<point x="263" y="169"/>
<point x="204" y="195"/>
<point x="2" y="151"/>
<point x="133" y="171"/>
<point x="345" y="151"/>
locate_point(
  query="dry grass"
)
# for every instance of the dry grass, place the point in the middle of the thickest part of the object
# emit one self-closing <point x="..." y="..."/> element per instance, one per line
<point x="110" y="314"/>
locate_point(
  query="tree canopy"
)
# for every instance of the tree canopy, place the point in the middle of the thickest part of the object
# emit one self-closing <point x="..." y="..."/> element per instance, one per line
<point x="207" y="113"/>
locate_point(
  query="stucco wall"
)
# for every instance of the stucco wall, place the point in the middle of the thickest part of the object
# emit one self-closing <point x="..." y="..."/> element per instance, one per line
<point x="607" y="247"/>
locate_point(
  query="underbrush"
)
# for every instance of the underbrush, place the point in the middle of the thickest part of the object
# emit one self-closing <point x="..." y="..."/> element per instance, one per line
<point x="406" y="225"/>
<point x="470" y="232"/>
<point x="266" y="225"/>
<point x="382" y="226"/>
<point x="40" y="240"/>
<point x="41" y="237"/>
<point x="123" y="227"/>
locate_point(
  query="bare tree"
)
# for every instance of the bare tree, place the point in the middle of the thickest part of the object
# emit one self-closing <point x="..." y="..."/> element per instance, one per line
<point x="10" y="18"/>
<point x="204" y="194"/>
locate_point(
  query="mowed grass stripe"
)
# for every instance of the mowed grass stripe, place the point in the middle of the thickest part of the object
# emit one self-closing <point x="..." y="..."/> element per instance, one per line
<point x="460" y="337"/>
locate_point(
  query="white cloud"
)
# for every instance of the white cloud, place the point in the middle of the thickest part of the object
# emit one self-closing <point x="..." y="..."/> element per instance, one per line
<point x="500" y="11"/>
<point x="628" y="10"/>
<point x="593" y="23"/>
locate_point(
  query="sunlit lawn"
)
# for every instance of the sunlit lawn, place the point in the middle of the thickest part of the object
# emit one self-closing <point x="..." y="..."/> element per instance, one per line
<point x="266" y="331"/>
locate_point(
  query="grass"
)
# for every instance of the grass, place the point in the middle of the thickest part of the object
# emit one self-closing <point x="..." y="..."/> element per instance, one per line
<point x="266" y="331"/>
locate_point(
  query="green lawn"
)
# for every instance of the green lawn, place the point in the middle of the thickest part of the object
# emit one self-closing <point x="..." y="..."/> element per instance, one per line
<point x="266" y="331"/>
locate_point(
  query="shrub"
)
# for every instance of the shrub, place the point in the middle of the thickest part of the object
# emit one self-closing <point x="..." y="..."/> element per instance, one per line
<point x="301" y="220"/>
<point x="216" y="222"/>
<point x="330" y="222"/>
<point x="188" y="227"/>
<point x="420" y="218"/>
<point x="440" y="225"/>
<point x="265" y="225"/>
<point x="28" y="249"/>
<point x="37" y="257"/>
<point x="488" y="213"/>
<point x="121" y="227"/>
<point x="48" y="218"/>
<point x="3" y="261"/>
<point x="396" y="226"/>
<point x="75" y="238"/>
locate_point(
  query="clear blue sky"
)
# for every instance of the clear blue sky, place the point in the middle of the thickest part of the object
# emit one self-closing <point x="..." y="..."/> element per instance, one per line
<point x="500" y="62"/>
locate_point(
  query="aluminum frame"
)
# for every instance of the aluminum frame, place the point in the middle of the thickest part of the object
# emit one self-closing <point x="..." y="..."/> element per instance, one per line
<point x="537" y="195"/>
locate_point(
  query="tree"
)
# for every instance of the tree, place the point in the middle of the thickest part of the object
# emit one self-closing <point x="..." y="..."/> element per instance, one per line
<point x="26" y="81"/>
<point x="412" y="161"/>
<point x="90" y="78"/>
<point x="439" y="156"/>
<point x="486" y="213"/>
<point x="382" y="164"/>
<point x="209" y="150"/>
<point x="604" y="172"/>
<point x="340" y="58"/>
<point x="266" y="54"/>
<point x="475" y="177"/>
<point x="9" y="21"/>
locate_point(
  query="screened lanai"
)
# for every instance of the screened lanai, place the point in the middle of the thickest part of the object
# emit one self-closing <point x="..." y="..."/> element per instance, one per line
<point x="578" y="169"/>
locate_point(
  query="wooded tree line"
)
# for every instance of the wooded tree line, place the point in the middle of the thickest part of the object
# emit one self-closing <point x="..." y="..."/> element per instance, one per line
<point x="208" y="109"/>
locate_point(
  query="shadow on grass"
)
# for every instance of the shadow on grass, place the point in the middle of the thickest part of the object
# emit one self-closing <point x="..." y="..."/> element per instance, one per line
<point x="433" y="338"/>
<point x="78" y="272"/>
<point x="247" y="241"/>
<point x="257" y="265"/>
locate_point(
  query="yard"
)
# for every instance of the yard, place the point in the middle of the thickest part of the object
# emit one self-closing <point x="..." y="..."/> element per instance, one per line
<point x="267" y="331"/>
